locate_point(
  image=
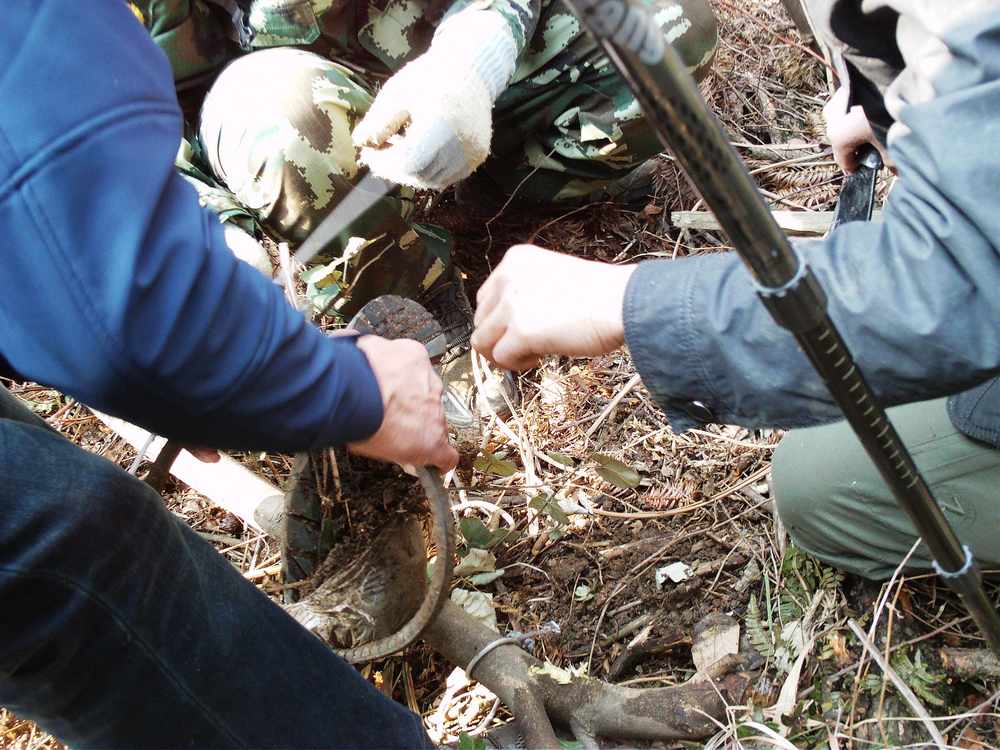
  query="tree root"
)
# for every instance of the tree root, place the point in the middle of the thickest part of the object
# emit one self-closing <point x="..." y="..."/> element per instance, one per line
<point x="370" y="596"/>
<point x="536" y="696"/>
<point x="589" y="708"/>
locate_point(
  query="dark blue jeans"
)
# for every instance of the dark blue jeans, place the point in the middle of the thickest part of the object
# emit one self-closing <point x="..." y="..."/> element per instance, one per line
<point x="122" y="628"/>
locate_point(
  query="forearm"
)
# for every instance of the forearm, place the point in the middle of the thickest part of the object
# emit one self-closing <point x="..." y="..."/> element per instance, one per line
<point x="520" y="16"/>
<point x="913" y="295"/>
<point x="118" y="287"/>
<point x="196" y="344"/>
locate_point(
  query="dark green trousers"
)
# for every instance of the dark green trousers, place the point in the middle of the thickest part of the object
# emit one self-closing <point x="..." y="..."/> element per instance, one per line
<point x="835" y="505"/>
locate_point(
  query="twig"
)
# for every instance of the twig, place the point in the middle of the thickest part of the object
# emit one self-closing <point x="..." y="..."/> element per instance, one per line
<point x="791" y="42"/>
<point x="140" y="454"/>
<point x="488" y="507"/>
<point x="875" y="620"/>
<point x="973" y="711"/>
<point x="270" y="570"/>
<point x="503" y="208"/>
<point x="759" y="474"/>
<point x="920" y="638"/>
<point x="628" y="629"/>
<point x="613" y="404"/>
<point x="643" y="566"/>
<point x="734" y="441"/>
<point x="902" y="687"/>
<point x="566" y="215"/>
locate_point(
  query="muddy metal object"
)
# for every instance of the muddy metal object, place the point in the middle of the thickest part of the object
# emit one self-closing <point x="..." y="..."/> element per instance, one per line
<point x="359" y="602"/>
<point x="394" y="317"/>
<point x="670" y="99"/>
<point x="378" y="591"/>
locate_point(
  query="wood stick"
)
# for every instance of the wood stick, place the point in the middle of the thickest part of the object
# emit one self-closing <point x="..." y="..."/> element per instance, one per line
<point x="969" y="663"/>
<point x="613" y="404"/>
<point x="795" y="223"/>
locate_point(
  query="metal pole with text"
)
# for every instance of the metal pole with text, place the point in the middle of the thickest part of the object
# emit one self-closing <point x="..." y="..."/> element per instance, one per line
<point x="672" y="104"/>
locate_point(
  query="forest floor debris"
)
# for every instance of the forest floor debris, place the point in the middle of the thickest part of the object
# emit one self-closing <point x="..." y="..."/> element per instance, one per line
<point x="613" y="495"/>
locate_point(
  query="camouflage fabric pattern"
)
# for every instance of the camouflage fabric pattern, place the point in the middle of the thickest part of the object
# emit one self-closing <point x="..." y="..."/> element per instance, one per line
<point x="381" y="35"/>
<point x="285" y="155"/>
<point x="274" y="146"/>
<point x="568" y="125"/>
<point x="191" y="33"/>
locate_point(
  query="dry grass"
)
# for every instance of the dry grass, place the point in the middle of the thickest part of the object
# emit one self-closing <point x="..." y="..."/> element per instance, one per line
<point x="702" y="497"/>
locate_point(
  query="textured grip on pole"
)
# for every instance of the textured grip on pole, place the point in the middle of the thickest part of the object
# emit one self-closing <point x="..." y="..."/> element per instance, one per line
<point x="798" y="305"/>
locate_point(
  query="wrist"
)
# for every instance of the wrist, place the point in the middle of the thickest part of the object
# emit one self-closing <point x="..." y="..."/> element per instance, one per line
<point x="481" y="42"/>
<point x="614" y="285"/>
<point x="370" y="388"/>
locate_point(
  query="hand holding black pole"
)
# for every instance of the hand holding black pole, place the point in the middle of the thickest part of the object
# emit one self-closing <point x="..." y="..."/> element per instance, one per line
<point x="673" y="106"/>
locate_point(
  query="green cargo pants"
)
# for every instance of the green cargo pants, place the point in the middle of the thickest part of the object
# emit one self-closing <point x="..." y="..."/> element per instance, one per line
<point x="273" y="143"/>
<point x="836" y="506"/>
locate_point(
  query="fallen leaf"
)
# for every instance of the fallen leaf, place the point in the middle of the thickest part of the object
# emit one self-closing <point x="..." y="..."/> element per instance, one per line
<point x="970" y="739"/>
<point x="466" y="742"/>
<point x="789" y="693"/>
<point x="550" y="506"/>
<point x="838" y="644"/>
<point x="614" y="471"/>
<point x="561" y="458"/>
<point x="482" y="579"/>
<point x="490" y="463"/>
<point x="719" y="640"/>
<point x="477" y="560"/>
<point x="475" y="532"/>
<point x="477" y="604"/>
<point x="675" y="571"/>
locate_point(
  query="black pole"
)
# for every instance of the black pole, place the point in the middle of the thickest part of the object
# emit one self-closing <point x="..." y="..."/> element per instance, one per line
<point x="673" y="106"/>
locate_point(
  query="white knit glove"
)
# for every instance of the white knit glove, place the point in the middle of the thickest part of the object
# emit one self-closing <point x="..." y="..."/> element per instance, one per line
<point x="431" y="124"/>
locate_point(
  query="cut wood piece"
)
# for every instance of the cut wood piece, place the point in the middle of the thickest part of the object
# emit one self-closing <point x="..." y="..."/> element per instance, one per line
<point x="227" y="483"/>
<point x="970" y="663"/>
<point x="796" y="223"/>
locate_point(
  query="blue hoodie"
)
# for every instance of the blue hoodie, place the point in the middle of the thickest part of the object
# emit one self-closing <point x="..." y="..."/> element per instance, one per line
<point x="116" y="287"/>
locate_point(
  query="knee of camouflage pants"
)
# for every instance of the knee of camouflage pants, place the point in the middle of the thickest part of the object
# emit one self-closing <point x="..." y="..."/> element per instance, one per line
<point x="568" y="125"/>
<point x="275" y="129"/>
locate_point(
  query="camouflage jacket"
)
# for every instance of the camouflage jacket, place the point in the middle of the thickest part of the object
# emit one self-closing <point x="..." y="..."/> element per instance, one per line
<point x="198" y="35"/>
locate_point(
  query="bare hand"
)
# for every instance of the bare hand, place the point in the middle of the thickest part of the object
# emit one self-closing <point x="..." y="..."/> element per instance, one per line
<point x="413" y="430"/>
<point x="203" y="454"/>
<point x="848" y="130"/>
<point x="538" y="302"/>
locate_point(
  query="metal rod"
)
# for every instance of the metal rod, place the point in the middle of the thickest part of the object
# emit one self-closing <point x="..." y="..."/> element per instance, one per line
<point x="673" y="106"/>
<point x="160" y="470"/>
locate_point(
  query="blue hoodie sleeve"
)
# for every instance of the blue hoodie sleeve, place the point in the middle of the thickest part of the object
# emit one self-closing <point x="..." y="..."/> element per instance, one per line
<point x="117" y="287"/>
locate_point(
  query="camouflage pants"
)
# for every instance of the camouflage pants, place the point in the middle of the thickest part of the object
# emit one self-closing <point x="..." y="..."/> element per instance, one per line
<point x="273" y="143"/>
